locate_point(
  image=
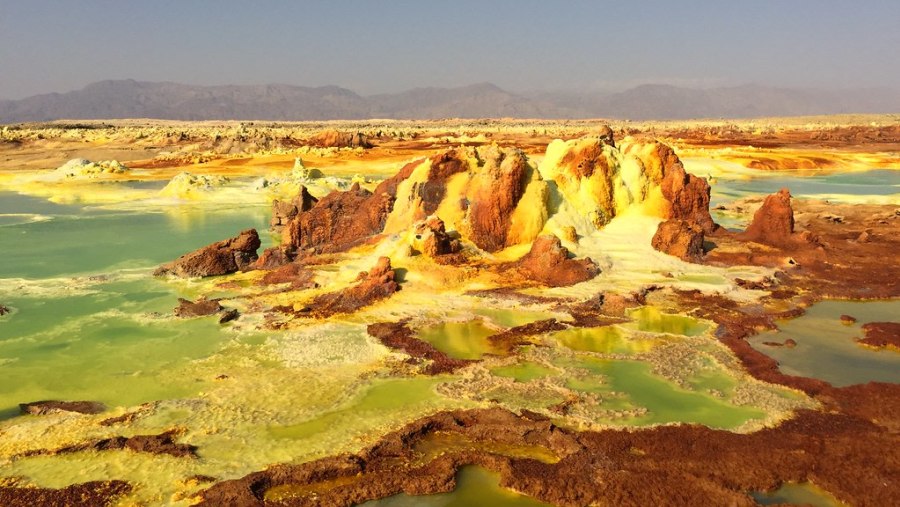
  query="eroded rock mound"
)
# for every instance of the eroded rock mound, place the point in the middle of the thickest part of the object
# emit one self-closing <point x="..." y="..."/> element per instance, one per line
<point x="337" y="139"/>
<point x="338" y="221"/>
<point x="773" y="224"/>
<point x="680" y="238"/>
<point x="687" y="194"/>
<point x="284" y="211"/>
<point x="373" y="285"/>
<point x="220" y="258"/>
<point x="52" y="406"/>
<point x="548" y="262"/>
<point x="431" y="238"/>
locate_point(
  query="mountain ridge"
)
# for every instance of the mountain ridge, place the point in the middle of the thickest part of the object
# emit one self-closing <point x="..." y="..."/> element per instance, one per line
<point x="128" y="98"/>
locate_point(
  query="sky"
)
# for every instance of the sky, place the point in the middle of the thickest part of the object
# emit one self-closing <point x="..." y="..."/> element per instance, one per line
<point x="393" y="45"/>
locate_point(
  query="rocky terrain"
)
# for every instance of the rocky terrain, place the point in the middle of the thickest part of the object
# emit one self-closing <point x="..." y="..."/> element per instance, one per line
<point x="411" y="227"/>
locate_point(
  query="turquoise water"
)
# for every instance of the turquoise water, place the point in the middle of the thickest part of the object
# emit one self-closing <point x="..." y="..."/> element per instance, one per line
<point x="878" y="182"/>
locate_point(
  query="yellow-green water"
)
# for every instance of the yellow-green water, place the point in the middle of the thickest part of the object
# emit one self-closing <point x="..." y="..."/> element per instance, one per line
<point x="461" y="340"/>
<point x="826" y="347"/>
<point x="523" y="371"/>
<point x="798" y="494"/>
<point x="474" y="486"/>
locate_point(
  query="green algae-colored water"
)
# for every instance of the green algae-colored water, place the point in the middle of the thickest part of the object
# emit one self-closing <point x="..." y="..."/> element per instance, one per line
<point x="524" y="371"/>
<point x="826" y="347"/>
<point x="653" y="320"/>
<point x="474" y="486"/>
<point x="798" y="494"/>
<point x="605" y="340"/>
<point x="461" y="340"/>
<point x="664" y="401"/>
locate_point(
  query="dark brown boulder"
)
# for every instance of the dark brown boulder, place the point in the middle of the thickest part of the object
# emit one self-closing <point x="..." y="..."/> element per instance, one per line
<point x="220" y="258"/>
<point x="548" y="262"/>
<point x="680" y="238"/>
<point x="199" y="308"/>
<point x="51" y="406"/>
<point x="373" y="285"/>
<point x="687" y="194"/>
<point x="284" y="211"/>
<point x="773" y="223"/>
<point x="293" y="273"/>
<point x="4" y="310"/>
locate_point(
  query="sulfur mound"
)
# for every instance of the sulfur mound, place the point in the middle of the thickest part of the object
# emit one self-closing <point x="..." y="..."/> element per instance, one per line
<point x="186" y="185"/>
<point x="220" y="258"/>
<point x="80" y="168"/>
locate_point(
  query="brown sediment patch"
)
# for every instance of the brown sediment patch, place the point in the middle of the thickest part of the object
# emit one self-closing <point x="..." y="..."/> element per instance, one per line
<point x="882" y="335"/>
<point x="514" y="336"/>
<point x="162" y="443"/>
<point x="398" y="336"/>
<point x="372" y="286"/>
<point x="51" y="406"/>
<point x="294" y="273"/>
<point x="200" y="308"/>
<point x="87" y="494"/>
<point x="677" y="465"/>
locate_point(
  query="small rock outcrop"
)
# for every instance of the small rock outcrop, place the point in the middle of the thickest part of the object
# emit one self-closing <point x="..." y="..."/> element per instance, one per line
<point x="773" y="223"/>
<point x="4" y="310"/>
<point x="432" y="239"/>
<point x="284" y="211"/>
<point x="338" y="221"/>
<point x="220" y="258"/>
<point x="199" y="308"/>
<point x="373" y="285"/>
<point x="337" y="139"/>
<point x="882" y="335"/>
<point x="680" y="238"/>
<point x="548" y="262"/>
<point x="51" y="406"/>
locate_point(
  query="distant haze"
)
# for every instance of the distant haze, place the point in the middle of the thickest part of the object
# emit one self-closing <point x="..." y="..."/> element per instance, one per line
<point x="524" y="46"/>
<point x="140" y="99"/>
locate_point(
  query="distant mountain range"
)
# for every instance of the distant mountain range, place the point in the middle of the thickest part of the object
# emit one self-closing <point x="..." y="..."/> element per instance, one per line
<point x="139" y="99"/>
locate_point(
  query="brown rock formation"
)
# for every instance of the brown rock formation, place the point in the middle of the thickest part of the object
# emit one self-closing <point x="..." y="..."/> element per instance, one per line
<point x="773" y="223"/>
<point x="4" y="310"/>
<point x="272" y="258"/>
<point x="443" y="167"/>
<point x="433" y="238"/>
<point x="87" y="494"/>
<point x="376" y="284"/>
<point x="688" y="194"/>
<point x="498" y="186"/>
<point x="339" y="221"/>
<point x="398" y="336"/>
<point x="548" y="262"/>
<point x="605" y="133"/>
<point x="679" y="238"/>
<point x="336" y="139"/>
<point x="51" y="406"/>
<point x="294" y="273"/>
<point x="199" y="308"/>
<point x="284" y="211"/>
<point x="882" y="335"/>
<point x="220" y="258"/>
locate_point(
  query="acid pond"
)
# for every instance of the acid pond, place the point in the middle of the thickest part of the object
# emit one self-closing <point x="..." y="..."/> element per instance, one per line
<point x="826" y="347"/>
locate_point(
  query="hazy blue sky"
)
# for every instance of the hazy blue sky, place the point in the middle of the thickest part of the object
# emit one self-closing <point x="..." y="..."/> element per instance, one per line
<point x="391" y="45"/>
